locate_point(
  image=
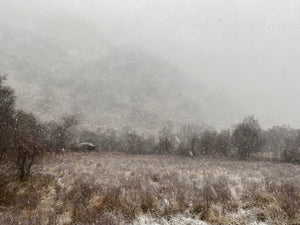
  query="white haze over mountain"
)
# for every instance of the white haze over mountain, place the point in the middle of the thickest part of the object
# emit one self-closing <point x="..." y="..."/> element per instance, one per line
<point x="232" y="57"/>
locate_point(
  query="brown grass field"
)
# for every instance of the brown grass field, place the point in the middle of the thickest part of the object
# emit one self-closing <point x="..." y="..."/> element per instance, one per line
<point x="115" y="188"/>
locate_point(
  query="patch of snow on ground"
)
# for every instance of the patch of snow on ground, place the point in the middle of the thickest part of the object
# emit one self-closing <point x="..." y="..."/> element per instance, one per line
<point x="175" y="220"/>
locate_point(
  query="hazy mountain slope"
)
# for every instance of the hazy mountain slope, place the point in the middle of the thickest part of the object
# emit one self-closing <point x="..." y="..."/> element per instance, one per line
<point x="104" y="85"/>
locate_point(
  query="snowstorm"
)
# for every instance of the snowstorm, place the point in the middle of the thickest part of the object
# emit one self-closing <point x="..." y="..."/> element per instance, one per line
<point x="149" y="112"/>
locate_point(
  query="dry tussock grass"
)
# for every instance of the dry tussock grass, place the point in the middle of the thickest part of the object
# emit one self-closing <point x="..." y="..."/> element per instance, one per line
<point x="114" y="188"/>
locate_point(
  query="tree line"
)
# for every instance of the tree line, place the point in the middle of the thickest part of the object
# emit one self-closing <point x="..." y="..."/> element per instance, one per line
<point x="23" y="138"/>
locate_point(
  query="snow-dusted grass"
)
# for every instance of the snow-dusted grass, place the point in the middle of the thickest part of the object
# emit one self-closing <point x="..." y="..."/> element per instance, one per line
<point x="115" y="188"/>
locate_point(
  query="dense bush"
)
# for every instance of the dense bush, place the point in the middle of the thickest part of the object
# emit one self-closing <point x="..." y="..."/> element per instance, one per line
<point x="89" y="137"/>
<point x="135" y="144"/>
<point x="166" y="142"/>
<point x="223" y="143"/>
<point x="196" y="142"/>
<point x="61" y="133"/>
<point x="291" y="150"/>
<point x="247" y="137"/>
<point x="108" y="140"/>
<point x="208" y="142"/>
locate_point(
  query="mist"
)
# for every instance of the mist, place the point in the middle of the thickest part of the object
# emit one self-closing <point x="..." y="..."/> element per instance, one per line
<point x="247" y="51"/>
<point x="168" y="112"/>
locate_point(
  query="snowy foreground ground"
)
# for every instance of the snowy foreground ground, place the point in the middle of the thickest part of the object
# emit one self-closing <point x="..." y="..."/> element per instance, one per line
<point x="115" y="188"/>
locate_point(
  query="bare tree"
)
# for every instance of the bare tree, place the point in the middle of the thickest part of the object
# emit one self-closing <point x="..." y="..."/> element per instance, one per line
<point x="208" y="142"/>
<point x="28" y="142"/>
<point x="62" y="132"/>
<point x="189" y="138"/>
<point x="223" y="142"/>
<point x="7" y="104"/>
<point x="166" y="140"/>
<point x="247" y="137"/>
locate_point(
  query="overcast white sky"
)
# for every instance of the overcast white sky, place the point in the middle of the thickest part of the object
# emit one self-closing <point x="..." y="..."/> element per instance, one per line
<point x="249" y="48"/>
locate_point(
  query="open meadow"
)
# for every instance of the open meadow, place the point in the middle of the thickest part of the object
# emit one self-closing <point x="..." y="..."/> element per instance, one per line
<point x="118" y="188"/>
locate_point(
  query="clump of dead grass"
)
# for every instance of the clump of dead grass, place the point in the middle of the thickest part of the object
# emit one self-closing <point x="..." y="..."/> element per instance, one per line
<point x="81" y="188"/>
<point x="288" y="196"/>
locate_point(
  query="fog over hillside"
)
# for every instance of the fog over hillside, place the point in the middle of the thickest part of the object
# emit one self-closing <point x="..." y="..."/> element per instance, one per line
<point x="101" y="83"/>
<point x="104" y="84"/>
<point x="143" y="63"/>
<point x="168" y="112"/>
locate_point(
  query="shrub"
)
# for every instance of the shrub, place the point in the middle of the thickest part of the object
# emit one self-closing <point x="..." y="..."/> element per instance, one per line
<point x="166" y="143"/>
<point x="108" y="140"/>
<point x="132" y="142"/>
<point x="247" y="137"/>
<point x="208" y="142"/>
<point x="291" y="150"/>
<point x="223" y="142"/>
<point x="59" y="134"/>
<point x="291" y="155"/>
<point x="189" y="140"/>
<point x="87" y="136"/>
